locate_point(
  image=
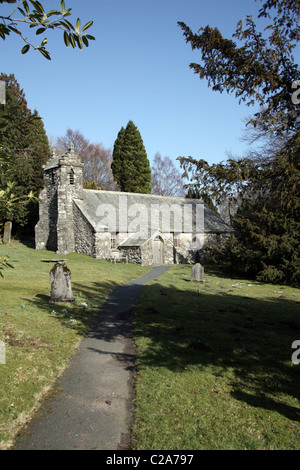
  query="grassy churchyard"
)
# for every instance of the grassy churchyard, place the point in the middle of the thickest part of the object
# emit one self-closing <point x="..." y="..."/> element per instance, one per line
<point x="214" y="367"/>
<point x="214" y="364"/>
<point x="40" y="337"/>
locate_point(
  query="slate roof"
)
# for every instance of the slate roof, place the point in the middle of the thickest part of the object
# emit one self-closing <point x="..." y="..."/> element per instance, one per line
<point x="103" y="209"/>
<point x="52" y="163"/>
<point x="133" y="241"/>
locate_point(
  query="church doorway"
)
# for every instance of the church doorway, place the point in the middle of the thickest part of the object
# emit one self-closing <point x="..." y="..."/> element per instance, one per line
<point x="157" y="250"/>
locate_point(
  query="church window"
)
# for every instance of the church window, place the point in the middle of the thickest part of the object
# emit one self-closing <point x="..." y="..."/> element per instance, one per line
<point x="71" y="177"/>
<point x="176" y="240"/>
<point x="52" y="177"/>
<point x="113" y="240"/>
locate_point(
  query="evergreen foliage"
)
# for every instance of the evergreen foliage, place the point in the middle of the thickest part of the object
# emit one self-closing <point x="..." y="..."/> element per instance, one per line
<point x="130" y="166"/>
<point x="267" y="223"/>
<point x="194" y="193"/>
<point x="24" y="148"/>
<point x="92" y="185"/>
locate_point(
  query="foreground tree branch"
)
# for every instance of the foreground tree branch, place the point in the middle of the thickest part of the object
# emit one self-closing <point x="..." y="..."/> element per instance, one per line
<point x="30" y="14"/>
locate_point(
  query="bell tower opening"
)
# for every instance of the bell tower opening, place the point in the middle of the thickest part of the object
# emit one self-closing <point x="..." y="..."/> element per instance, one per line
<point x="71" y="177"/>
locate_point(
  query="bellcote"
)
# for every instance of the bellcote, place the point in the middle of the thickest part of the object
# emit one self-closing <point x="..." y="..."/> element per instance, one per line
<point x="65" y="171"/>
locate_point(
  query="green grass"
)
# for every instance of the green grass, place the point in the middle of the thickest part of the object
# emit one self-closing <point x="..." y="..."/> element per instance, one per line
<point x="40" y="337"/>
<point x="214" y="364"/>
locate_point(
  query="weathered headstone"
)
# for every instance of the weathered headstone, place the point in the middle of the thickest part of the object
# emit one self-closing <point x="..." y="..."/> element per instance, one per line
<point x="197" y="273"/>
<point x="7" y="232"/>
<point x="61" y="288"/>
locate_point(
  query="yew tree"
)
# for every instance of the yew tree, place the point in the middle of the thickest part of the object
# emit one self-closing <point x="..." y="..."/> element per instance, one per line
<point x="130" y="165"/>
<point x="257" y="66"/>
<point x="24" y="148"/>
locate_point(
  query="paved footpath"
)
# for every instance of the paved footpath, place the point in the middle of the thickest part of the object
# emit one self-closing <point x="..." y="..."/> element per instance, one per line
<point x="92" y="408"/>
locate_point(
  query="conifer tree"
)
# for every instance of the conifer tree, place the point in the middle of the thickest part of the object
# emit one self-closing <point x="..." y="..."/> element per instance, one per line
<point x="194" y="193"/>
<point x="261" y="71"/>
<point x="130" y="166"/>
<point x="116" y="165"/>
<point x="25" y="146"/>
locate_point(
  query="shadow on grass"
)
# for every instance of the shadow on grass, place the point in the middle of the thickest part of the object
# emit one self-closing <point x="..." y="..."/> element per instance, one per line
<point x="249" y="337"/>
<point x="235" y="336"/>
<point x="102" y="310"/>
<point x="81" y="314"/>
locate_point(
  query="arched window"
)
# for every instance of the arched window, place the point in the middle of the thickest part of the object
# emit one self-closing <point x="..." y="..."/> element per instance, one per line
<point x="71" y="176"/>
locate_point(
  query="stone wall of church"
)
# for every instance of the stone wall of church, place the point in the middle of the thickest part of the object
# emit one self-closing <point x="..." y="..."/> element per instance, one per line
<point x="46" y="228"/>
<point x="147" y="252"/>
<point x="102" y="245"/>
<point x="143" y="255"/>
<point x="84" y="236"/>
<point x="133" y="254"/>
<point x="69" y="187"/>
<point x="169" y="251"/>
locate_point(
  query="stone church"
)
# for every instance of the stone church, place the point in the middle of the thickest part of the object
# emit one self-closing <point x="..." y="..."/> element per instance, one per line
<point x="137" y="228"/>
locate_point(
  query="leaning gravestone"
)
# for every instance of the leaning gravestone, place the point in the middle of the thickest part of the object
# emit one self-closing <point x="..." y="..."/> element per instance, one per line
<point x="61" y="288"/>
<point x="7" y="232"/>
<point x="197" y="273"/>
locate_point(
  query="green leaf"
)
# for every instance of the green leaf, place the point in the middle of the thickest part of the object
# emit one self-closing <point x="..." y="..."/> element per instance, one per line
<point x="40" y="30"/>
<point x="25" y="49"/>
<point x="67" y="24"/>
<point x="14" y="30"/>
<point x="78" y="25"/>
<point x="87" y="25"/>
<point x="67" y="13"/>
<point x="72" y="41"/>
<point x="66" y="39"/>
<point x="22" y="11"/>
<point x="91" y="38"/>
<point x="52" y="12"/>
<point x="79" y="42"/>
<point x="62" y="6"/>
<point x="37" y="6"/>
<point x="25" y="4"/>
<point x="85" y="41"/>
<point x="44" y="53"/>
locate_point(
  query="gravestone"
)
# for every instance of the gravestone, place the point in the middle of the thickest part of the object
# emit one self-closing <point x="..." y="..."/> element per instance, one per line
<point x="7" y="232"/>
<point x="61" y="288"/>
<point x="197" y="273"/>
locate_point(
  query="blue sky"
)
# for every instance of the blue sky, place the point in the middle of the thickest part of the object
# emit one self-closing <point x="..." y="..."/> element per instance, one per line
<point x="138" y="69"/>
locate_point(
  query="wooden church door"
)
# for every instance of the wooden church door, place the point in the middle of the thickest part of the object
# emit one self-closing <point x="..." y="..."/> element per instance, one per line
<point x="157" y="250"/>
